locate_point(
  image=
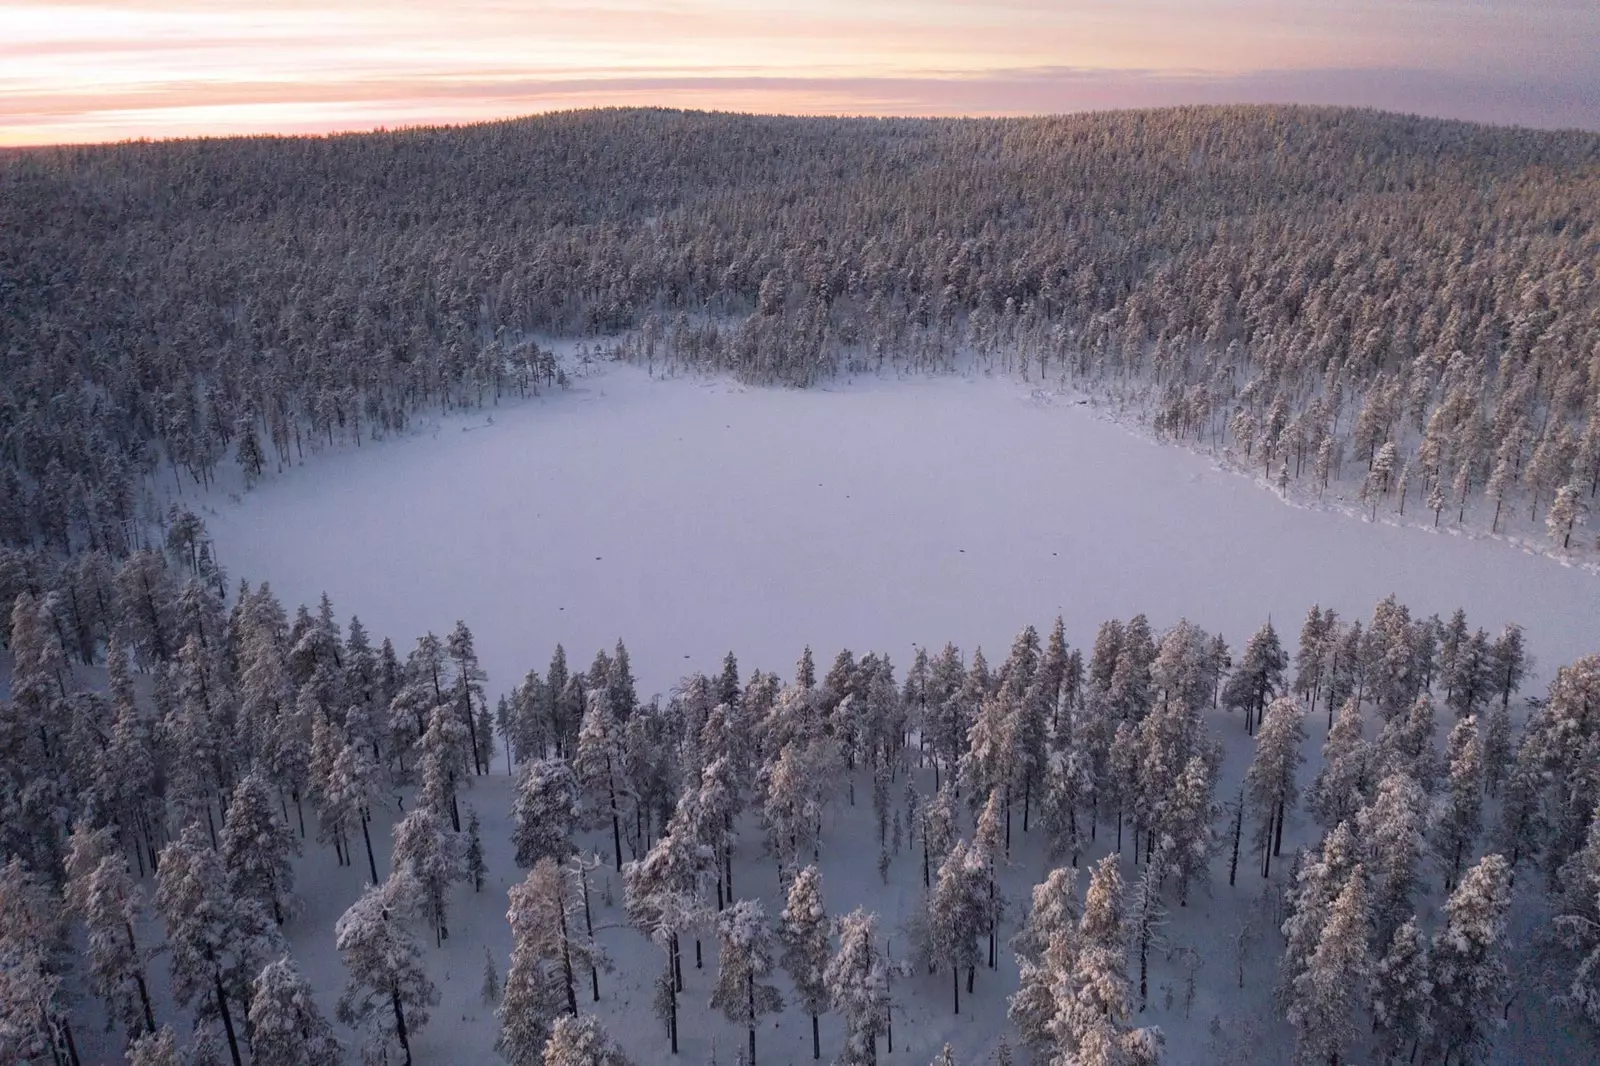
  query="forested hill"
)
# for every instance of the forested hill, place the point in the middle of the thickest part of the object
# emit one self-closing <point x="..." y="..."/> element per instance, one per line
<point x="1277" y="278"/>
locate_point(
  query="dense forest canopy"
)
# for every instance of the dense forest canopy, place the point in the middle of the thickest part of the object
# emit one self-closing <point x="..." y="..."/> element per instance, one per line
<point x="1256" y="272"/>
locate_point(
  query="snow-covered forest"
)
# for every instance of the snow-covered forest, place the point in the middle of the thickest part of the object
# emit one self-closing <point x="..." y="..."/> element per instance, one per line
<point x="1323" y="294"/>
<point x="236" y="832"/>
<point x="236" y="835"/>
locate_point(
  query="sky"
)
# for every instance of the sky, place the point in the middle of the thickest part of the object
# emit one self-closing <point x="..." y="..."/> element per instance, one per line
<point x="106" y="70"/>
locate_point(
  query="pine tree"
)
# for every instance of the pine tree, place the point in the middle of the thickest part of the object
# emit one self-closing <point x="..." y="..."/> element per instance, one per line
<point x="1147" y="915"/>
<point x="286" y="1026"/>
<point x="1392" y="833"/>
<point x="388" y="990"/>
<point x="1340" y="787"/>
<point x="1270" y="781"/>
<point x="1092" y="991"/>
<point x="102" y="894"/>
<point x="1466" y="962"/>
<point x="1068" y="788"/>
<point x="258" y="849"/>
<point x="1462" y="816"/>
<point x="576" y="1041"/>
<point x="1318" y="882"/>
<point x="158" y="1048"/>
<point x="215" y="941"/>
<point x="445" y="748"/>
<point x="1565" y="513"/>
<point x="598" y="765"/>
<point x="858" y="983"/>
<point x="1259" y="676"/>
<point x="946" y="1057"/>
<point x="1326" y="993"/>
<point x="1049" y="933"/>
<point x="803" y="932"/>
<point x="744" y="960"/>
<point x="1401" y="992"/>
<point x="489" y="991"/>
<point x="956" y="916"/>
<point x="545" y="813"/>
<point x="34" y="1020"/>
<point x="476" y="866"/>
<point x="436" y="858"/>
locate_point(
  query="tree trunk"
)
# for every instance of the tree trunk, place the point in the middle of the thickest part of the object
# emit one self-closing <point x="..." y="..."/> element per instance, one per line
<point x="372" y="863"/>
<point x="227" y="1020"/>
<point x="955" y="984"/>
<point x="400" y="1024"/>
<point x="816" y="1039"/>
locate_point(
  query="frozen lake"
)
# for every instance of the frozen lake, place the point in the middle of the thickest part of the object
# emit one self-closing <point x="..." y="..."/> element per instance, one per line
<point x="690" y="516"/>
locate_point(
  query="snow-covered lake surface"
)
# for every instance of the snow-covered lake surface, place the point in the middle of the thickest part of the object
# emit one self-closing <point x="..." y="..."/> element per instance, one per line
<point x="691" y="516"/>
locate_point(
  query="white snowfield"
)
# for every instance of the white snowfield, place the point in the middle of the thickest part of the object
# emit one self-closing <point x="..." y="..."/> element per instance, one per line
<point x="689" y="516"/>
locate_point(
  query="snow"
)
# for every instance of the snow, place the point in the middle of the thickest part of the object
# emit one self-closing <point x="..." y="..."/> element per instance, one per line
<point x="690" y="516"/>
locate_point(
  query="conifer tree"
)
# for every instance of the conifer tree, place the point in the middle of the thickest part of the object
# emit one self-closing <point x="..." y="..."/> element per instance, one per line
<point x="598" y="765"/>
<point x="744" y="961"/>
<point x="1048" y="933"/>
<point x="1401" y="992"/>
<point x="1270" y="781"/>
<point x="287" y="1028"/>
<point x="1326" y="993"/>
<point x="1340" y="787"/>
<point x="858" y="982"/>
<point x="1258" y="678"/>
<point x="1318" y="882"/>
<point x="581" y="1041"/>
<point x="158" y="1048"/>
<point x="215" y="941"/>
<point x="956" y="916"/>
<point x="436" y="858"/>
<point x="1462" y="817"/>
<point x="258" y="849"/>
<point x="545" y="813"/>
<point x="1466" y="962"/>
<point x="803" y="932"/>
<point x="388" y="990"/>
<point x="101" y="893"/>
<point x="1392" y="832"/>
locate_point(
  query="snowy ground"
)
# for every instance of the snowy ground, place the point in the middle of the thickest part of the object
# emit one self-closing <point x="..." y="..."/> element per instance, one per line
<point x="690" y="516"/>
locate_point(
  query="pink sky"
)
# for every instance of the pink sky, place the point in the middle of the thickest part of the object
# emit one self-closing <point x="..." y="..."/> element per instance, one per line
<point x="114" y="69"/>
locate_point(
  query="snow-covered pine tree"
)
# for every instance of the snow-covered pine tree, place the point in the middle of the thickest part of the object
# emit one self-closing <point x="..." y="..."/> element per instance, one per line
<point x="547" y="924"/>
<point x="356" y="788"/>
<point x="489" y="991"/>
<point x="744" y="961"/>
<point x="1401" y="992"/>
<point x="287" y="1028"/>
<point x="34" y="1019"/>
<point x="1326" y="993"/>
<point x="1578" y="910"/>
<point x="1258" y="677"/>
<point x="581" y="1041"/>
<point x="1092" y="992"/>
<point x="467" y="697"/>
<point x="388" y="991"/>
<point x="476" y="867"/>
<point x="216" y="943"/>
<point x="1391" y="828"/>
<point x="446" y="750"/>
<point x="1068" y="791"/>
<point x="1318" y="881"/>
<point x="436" y="858"/>
<point x="1340" y="787"/>
<point x="598" y="766"/>
<point x="956" y="916"/>
<point x="1147" y="915"/>
<point x="258" y="848"/>
<point x="1187" y="838"/>
<point x="1466" y="963"/>
<point x="102" y="894"/>
<point x="1270" y="781"/>
<point x="803" y="932"/>
<point x="858" y="983"/>
<point x="1048" y="933"/>
<point x="545" y="813"/>
<point x="1456" y="828"/>
<point x="159" y="1048"/>
<point x="946" y="1057"/>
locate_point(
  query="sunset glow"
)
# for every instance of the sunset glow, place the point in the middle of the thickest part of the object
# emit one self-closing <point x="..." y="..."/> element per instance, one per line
<point x="117" y="69"/>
